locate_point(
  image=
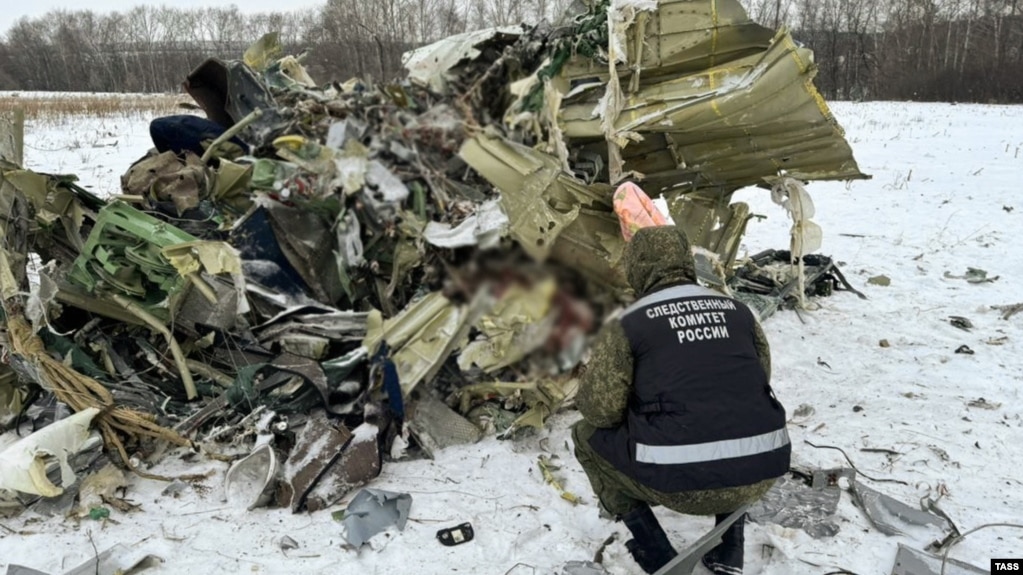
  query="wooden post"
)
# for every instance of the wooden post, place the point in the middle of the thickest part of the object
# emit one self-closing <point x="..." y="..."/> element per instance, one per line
<point x="12" y="136"/>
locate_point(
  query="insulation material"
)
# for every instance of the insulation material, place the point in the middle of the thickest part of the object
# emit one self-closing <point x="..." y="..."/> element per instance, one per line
<point x="807" y="236"/>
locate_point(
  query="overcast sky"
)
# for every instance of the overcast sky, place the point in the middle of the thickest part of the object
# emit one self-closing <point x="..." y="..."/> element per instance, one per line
<point x="12" y="10"/>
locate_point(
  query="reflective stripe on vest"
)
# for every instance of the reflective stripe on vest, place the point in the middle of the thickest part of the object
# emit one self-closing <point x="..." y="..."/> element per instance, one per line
<point x="712" y="451"/>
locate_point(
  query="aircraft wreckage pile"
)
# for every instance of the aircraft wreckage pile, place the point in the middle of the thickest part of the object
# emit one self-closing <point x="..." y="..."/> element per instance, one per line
<point x="353" y="264"/>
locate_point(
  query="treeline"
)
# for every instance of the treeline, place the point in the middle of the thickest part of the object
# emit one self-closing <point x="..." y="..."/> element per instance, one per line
<point x="149" y="49"/>
<point x="939" y="50"/>
<point x="928" y="50"/>
<point x="143" y="50"/>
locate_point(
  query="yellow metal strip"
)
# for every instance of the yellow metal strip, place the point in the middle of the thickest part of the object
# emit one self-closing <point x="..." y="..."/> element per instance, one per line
<point x="823" y="106"/>
<point x="793" y="49"/>
<point x="714" y="33"/>
<point x="713" y="86"/>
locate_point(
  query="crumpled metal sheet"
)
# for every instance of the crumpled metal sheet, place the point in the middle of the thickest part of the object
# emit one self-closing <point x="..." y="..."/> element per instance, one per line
<point x="230" y="91"/>
<point x="436" y="426"/>
<point x="713" y="223"/>
<point x="86" y="463"/>
<point x="424" y="335"/>
<point x="792" y="504"/>
<point x="57" y="202"/>
<point x="551" y="212"/>
<point x="583" y="568"/>
<point x="525" y="179"/>
<point x="358" y="465"/>
<point x="429" y="65"/>
<point x="314" y="374"/>
<point x="720" y="101"/>
<point x="318" y="445"/>
<point x="213" y="258"/>
<point x="912" y="562"/>
<point x="306" y="239"/>
<point x="688" y="558"/>
<point x="373" y="511"/>
<point x="119" y="559"/>
<point x="892" y="517"/>
<point x="307" y="330"/>
<point x="195" y="310"/>
<point x="375" y="210"/>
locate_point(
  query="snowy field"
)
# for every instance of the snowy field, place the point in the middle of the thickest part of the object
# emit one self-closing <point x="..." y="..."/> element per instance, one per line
<point x="945" y="197"/>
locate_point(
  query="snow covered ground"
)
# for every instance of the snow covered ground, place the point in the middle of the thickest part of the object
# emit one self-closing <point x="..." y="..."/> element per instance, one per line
<point x="944" y="198"/>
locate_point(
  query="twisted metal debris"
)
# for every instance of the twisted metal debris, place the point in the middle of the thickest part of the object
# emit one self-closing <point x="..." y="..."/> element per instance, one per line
<point x="345" y="255"/>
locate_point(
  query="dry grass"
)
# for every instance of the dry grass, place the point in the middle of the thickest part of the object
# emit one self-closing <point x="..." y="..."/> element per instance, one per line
<point x="56" y="107"/>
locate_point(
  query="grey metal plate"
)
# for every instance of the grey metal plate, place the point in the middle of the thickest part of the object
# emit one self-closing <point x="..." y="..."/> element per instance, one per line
<point x="912" y="562"/>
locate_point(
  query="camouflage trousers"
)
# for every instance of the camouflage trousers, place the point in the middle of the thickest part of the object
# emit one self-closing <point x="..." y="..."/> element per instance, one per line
<point x="619" y="493"/>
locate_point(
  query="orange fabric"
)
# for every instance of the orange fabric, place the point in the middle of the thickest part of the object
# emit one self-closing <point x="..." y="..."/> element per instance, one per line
<point x="636" y="210"/>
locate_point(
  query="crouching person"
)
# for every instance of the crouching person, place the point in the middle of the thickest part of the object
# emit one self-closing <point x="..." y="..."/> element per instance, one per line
<point x="677" y="405"/>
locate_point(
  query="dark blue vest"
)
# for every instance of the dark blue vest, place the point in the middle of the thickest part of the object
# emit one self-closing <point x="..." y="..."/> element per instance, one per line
<point x="702" y="414"/>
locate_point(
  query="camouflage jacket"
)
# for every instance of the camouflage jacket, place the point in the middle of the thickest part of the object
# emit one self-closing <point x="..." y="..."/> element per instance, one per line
<point x="655" y="259"/>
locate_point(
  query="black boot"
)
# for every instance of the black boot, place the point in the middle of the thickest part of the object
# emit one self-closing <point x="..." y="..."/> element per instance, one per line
<point x="650" y="546"/>
<point x="726" y="558"/>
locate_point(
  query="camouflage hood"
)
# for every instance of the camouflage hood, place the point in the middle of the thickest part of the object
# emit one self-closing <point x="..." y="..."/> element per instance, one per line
<point x="659" y="257"/>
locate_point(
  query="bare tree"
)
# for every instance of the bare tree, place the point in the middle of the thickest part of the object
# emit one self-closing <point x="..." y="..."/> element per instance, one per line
<point x="894" y="49"/>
